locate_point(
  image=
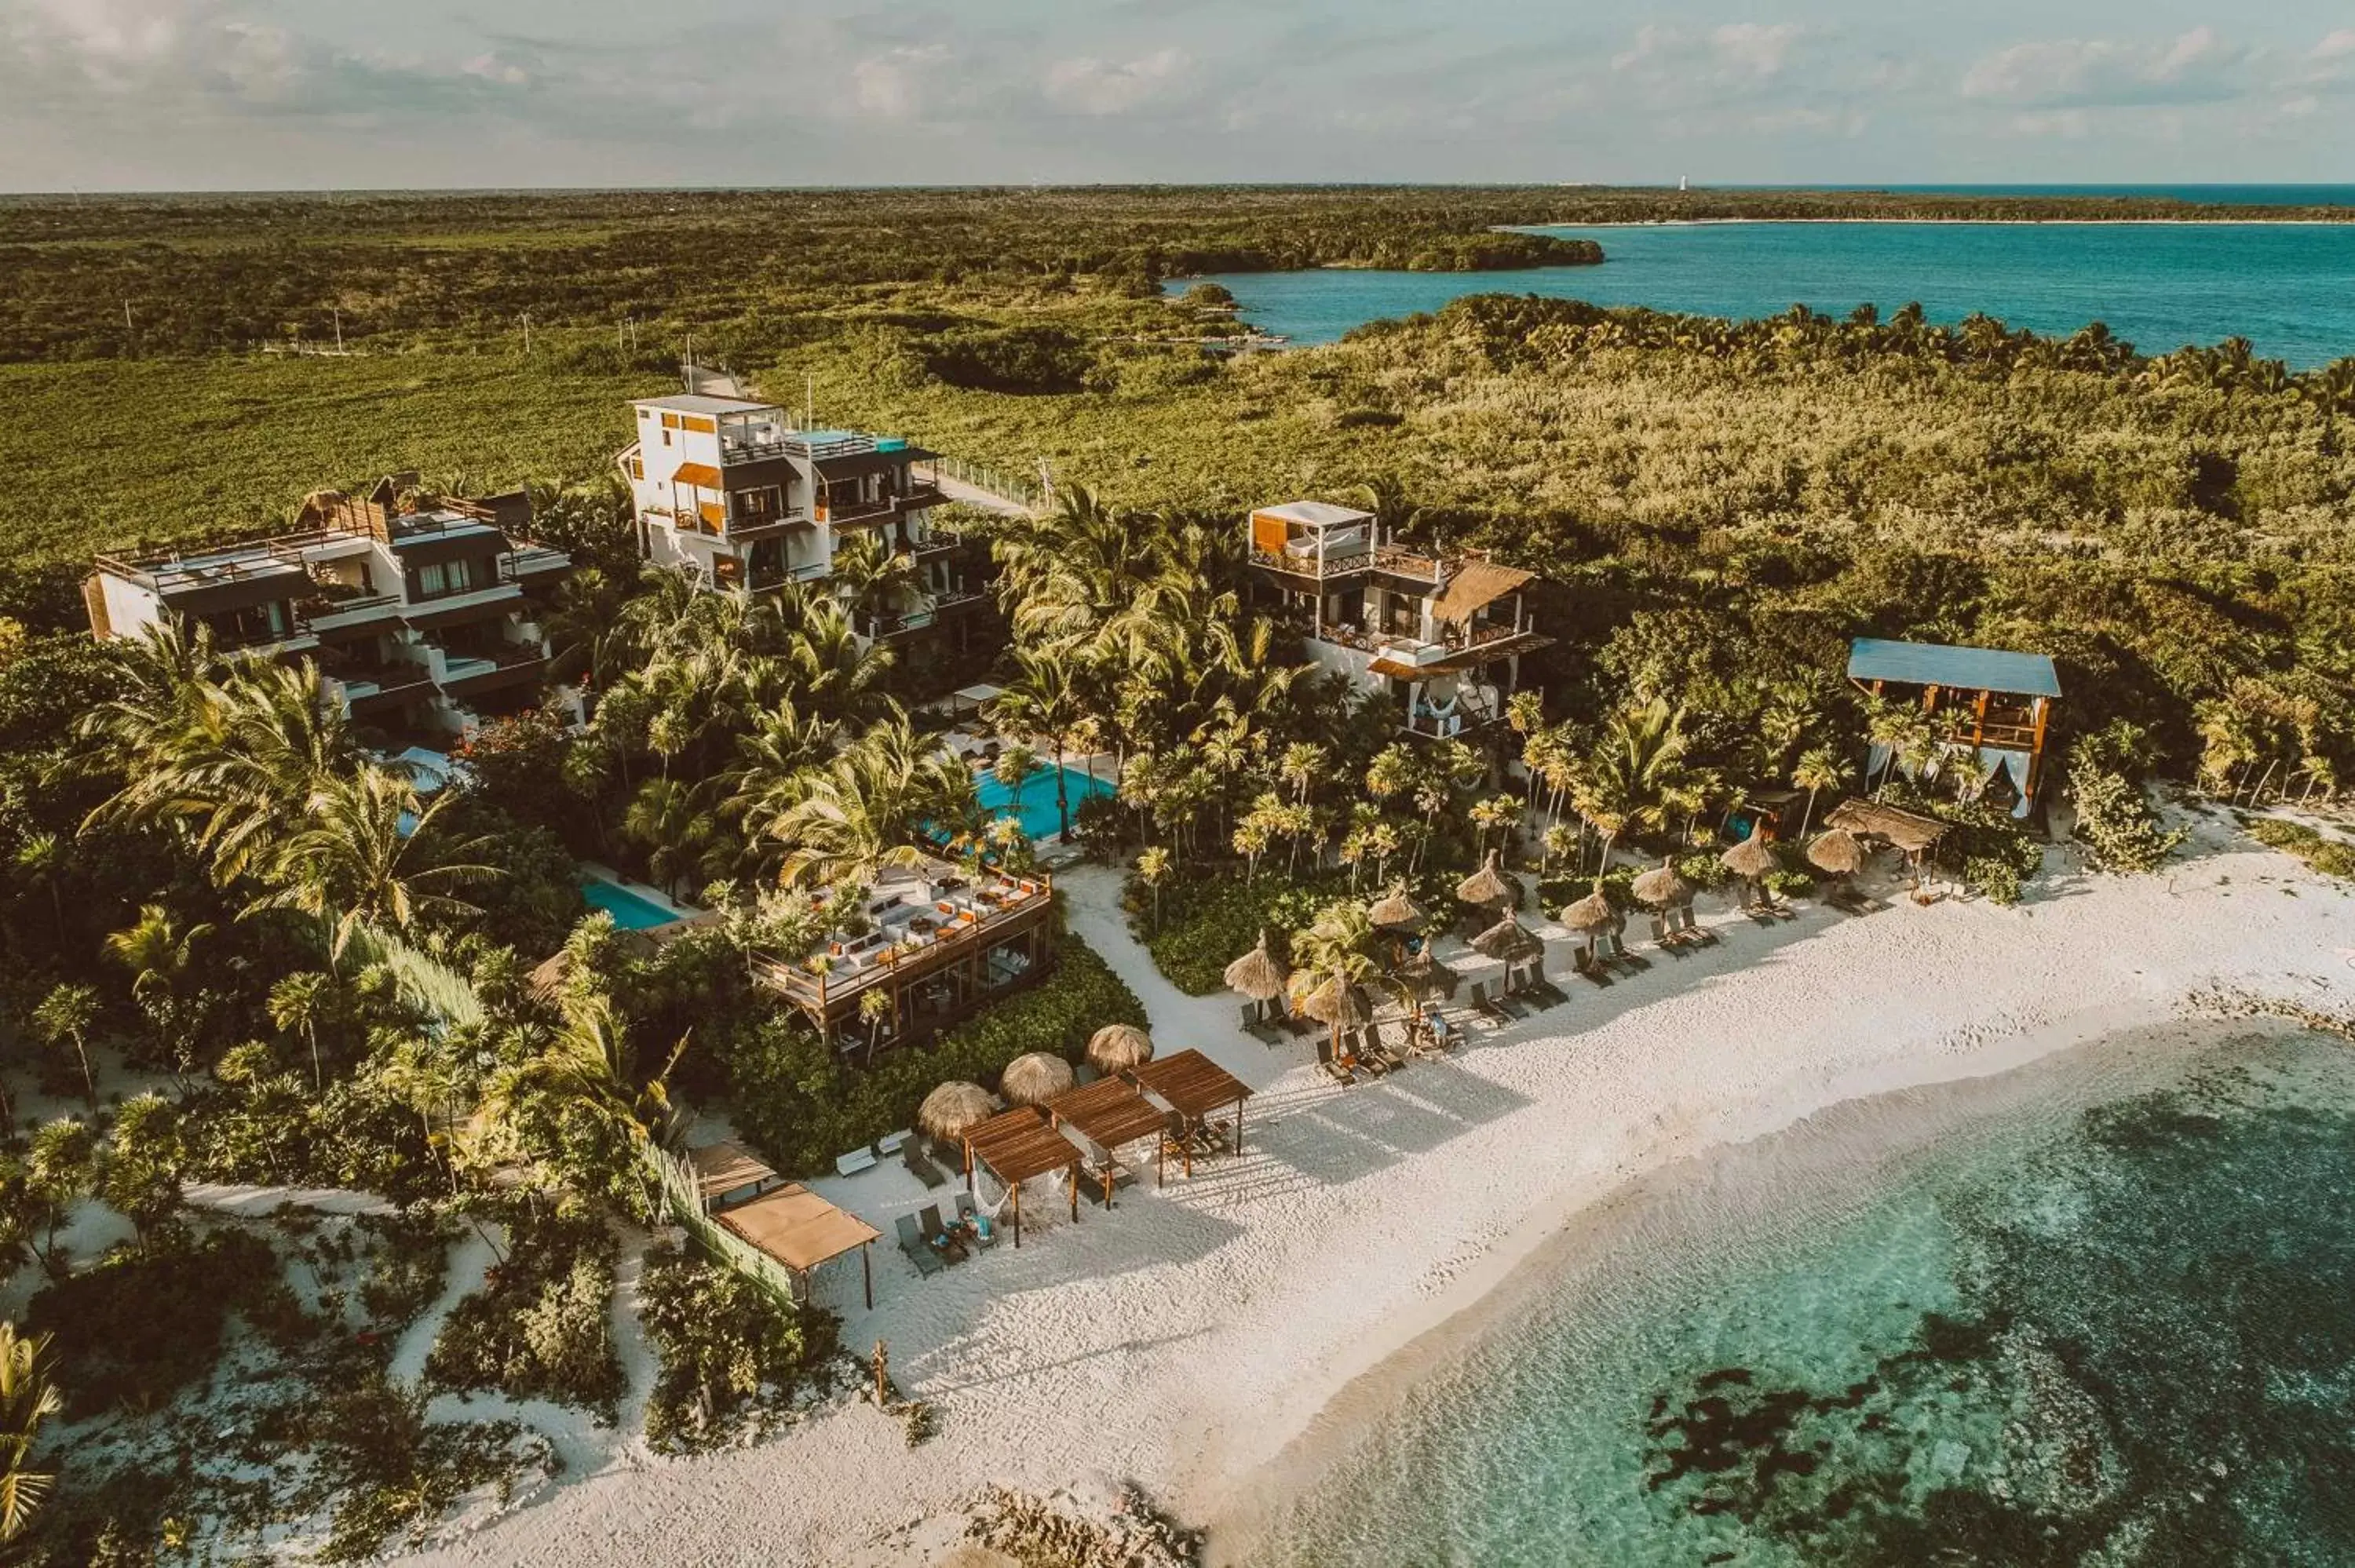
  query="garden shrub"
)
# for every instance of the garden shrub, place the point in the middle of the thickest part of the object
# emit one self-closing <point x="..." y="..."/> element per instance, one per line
<point x="141" y="1325"/>
<point x="2327" y="855"/>
<point x="801" y="1106"/>
<point x="410" y="1255"/>
<point x="2115" y="825"/>
<point x="1204" y="924"/>
<point x="538" y="1328"/>
<point x="731" y="1355"/>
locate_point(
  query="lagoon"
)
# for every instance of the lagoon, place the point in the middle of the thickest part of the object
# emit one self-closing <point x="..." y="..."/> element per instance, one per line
<point x="2289" y="288"/>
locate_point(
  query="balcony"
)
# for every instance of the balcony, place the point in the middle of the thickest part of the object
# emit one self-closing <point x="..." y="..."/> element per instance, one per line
<point x="528" y="562"/>
<point x="1301" y="562"/>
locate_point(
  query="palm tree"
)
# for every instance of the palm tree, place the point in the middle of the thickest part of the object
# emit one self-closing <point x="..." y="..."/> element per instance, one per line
<point x="41" y="862"/>
<point x="1153" y="870"/>
<point x="1905" y="734"/>
<point x="65" y="1017"/>
<point x="850" y="820"/>
<point x="664" y="819"/>
<point x="158" y="951"/>
<point x="1818" y="769"/>
<point x="1629" y="780"/>
<point x="1043" y="699"/>
<point x="299" y="1004"/>
<point x="369" y="856"/>
<point x="871" y="579"/>
<point x="28" y="1396"/>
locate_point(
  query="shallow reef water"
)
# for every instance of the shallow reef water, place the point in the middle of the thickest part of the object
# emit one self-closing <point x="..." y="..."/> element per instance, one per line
<point x="2105" y="1318"/>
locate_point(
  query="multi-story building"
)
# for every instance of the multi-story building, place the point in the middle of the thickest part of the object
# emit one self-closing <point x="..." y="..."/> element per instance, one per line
<point x="727" y="489"/>
<point x="423" y="612"/>
<point x="1444" y="635"/>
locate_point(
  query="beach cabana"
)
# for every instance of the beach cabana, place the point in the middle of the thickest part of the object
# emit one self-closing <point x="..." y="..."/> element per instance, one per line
<point x="1195" y="1087"/>
<point x="1910" y="833"/>
<point x="727" y="1173"/>
<point x="1394" y="911"/>
<point x="1118" y="1046"/>
<point x="1664" y="891"/>
<point x="1836" y="853"/>
<point x="1424" y="975"/>
<point x="801" y="1231"/>
<point x="1110" y="1113"/>
<point x="1018" y="1145"/>
<point x="1034" y="1079"/>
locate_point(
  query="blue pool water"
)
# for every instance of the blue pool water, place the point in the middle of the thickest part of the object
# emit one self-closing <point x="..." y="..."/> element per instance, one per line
<point x="631" y="911"/>
<point x="2091" y="1312"/>
<point x="2287" y="288"/>
<point x="1036" y="805"/>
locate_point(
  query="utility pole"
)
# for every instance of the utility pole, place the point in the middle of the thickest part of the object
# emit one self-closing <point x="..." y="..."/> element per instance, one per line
<point x="809" y="400"/>
<point x="339" y="329"/>
<point x="127" y="325"/>
<point x="527" y="331"/>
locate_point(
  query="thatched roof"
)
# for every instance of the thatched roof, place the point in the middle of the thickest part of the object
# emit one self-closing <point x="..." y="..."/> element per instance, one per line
<point x="1340" y="1004"/>
<point x="1663" y="886"/>
<point x="1591" y="914"/>
<point x="1258" y="974"/>
<point x="1836" y="852"/>
<point x="1754" y="856"/>
<point x="1489" y="885"/>
<point x="1509" y="941"/>
<point x="1424" y="975"/>
<point x="1909" y="830"/>
<point x="1033" y="1079"/>
<point x="952" y="1107"/>
<point x="1119" y="1047"/>
<point x="1394" y="910"/>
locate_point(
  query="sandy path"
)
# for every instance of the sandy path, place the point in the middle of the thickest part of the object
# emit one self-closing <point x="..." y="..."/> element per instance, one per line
<point x="1184" y="1339"/>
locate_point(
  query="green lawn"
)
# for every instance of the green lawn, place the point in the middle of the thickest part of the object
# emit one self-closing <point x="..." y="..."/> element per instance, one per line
<point x="104" y="452"/>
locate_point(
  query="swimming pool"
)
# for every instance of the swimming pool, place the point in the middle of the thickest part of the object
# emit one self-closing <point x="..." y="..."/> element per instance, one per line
<point x="1036" y="805"/>
<point x="631" y="911"/>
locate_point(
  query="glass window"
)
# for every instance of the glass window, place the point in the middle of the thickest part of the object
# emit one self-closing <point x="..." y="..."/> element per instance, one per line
<point x="462" y="575"/>
<point x="432" y="580"/>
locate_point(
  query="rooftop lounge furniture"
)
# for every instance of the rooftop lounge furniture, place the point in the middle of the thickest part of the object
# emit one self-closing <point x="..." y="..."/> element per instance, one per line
<point x="919" y="1251"/>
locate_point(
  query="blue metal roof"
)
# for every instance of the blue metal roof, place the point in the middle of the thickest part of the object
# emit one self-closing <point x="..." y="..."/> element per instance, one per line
<point x="1934" y="664"/>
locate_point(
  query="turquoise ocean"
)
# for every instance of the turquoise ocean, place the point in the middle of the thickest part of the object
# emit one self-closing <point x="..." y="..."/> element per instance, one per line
<point x="2289" y="288"/>
<point x="2100" y="1311"/>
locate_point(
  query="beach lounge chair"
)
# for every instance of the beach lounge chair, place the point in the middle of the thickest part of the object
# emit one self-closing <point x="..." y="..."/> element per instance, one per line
<point x="889" y="1144"/>
<point x="937" y="1234"/>
<point x="852" y="1163"/>
<point x="911" y="1155"/>
<point x="919" y="1251"/>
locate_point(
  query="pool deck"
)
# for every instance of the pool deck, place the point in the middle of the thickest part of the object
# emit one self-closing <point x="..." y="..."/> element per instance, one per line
<point x="598" y="872"/>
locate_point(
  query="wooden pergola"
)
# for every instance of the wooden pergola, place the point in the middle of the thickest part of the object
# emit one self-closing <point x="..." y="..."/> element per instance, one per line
<point x="727" y="1166"/>
<point x="1109" y="1113"/>
<point x="1018" y="1145"/>
<point x="1911" y="834"/>
<point x="802" y="1230"/>
<point x="1194" y="1086"/>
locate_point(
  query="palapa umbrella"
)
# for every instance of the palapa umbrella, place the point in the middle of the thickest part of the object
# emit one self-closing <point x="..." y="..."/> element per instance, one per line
<point x="1510" y="942"/>
<point x="1837" y="852"/>
<point x="1662" y="888"/>
<point x="1753" y="857"/>
<point x="1424" y="975"/>
<point x="1339" y="1003"/>
<point x="1489" y="885"/>
<point x="1591" y="915"/>
<point x="1118" y="1046"/>
<point x="1258" y="974"/>
<point x="1034" y="1079"/>
<point x="948" y="1111"/>
<point x="1394" y="911"/>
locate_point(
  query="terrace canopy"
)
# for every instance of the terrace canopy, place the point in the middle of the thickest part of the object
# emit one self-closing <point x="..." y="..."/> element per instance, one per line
<point x="802" y="1230"/>
<point x="1109" y="1113"/>
<point x="725" y="1168"/>
<point x="1911" y="832"/>
<point x="1018" y="1145"/>
<point x="1194" y="1086"/>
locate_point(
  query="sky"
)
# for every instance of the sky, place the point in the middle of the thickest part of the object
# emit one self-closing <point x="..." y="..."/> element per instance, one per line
<point x="307" y="94"/>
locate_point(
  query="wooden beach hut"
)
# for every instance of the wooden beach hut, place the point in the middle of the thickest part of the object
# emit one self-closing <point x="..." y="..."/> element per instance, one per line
<point x="1110" y="1113"/>
<point x="1990" y="709"/>
<point x="1018" y="1145"/>
<point x="1195" y="1088"/>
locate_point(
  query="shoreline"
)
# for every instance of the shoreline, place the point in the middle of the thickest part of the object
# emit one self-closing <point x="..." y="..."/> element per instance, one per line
<point x="2346" y="222"/>
<point x="1864" y="1143"/>
<point x="1186" y="1340"/>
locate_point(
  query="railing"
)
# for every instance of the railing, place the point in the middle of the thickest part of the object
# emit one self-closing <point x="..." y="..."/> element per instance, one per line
<point x="1019" y="492"/>
<point x="973" y="926"/>
<point x="1400" y="563"/>
<point x="1307" y="565"/>
<point x="530" y="560"/>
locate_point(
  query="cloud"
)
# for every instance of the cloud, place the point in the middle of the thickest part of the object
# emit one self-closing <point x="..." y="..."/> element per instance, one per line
<point x="2196" y="67"/>
<point x="1739" y="52"/>
<point x="891" y="85"/>
<point x="1090" y="86"/>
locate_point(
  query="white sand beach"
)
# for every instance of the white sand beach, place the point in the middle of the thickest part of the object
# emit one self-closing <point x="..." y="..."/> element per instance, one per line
<point x="1183" y="1339"/>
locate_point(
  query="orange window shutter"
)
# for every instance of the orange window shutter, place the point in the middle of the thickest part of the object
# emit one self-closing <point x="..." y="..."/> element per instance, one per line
<point x="700" y="425"/>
